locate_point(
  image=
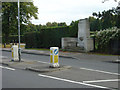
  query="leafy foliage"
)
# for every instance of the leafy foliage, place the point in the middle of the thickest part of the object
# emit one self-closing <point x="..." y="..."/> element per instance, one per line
<point x="105" y="19"/>
<point x="55" y="24"/>
<point x="10" y="16"/>
<point x="104" y="38"/>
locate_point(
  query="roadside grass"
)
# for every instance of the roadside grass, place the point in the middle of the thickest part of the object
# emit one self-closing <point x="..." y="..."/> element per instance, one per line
<point x="9" y="46"/>
<point x="38" y="49"/>
<point x="0" y="45"/>
<point x="61" y="50"/>
<point x="97" y="53"/>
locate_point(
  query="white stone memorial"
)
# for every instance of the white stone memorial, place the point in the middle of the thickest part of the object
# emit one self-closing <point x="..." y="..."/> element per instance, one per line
<point x="84" y="40"/>
<point x="68" y="42"/>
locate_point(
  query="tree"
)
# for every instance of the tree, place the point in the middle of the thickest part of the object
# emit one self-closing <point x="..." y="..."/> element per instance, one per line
<point x="95" y="24"/>
<point x="62" y="24"/>
<point x="74" y="28"/>
<point x="10" y="16"/>
<point x="48" y="24"/>
<point x="107" y="19"/>
<point x="108" y="0"/>
<point x="72" y="23"/>
<point x="118" y="12"/>
<point x="54" y="24"/>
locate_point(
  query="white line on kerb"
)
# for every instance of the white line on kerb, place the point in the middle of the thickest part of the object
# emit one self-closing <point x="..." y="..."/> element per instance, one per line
<point x="3" y="57"/>
<point x="7" y="68"/>
<point x="43" y="62"/>
<point x="75" y="82"/>
<point x="94" y="81"/>
<point x="99" y="71"/>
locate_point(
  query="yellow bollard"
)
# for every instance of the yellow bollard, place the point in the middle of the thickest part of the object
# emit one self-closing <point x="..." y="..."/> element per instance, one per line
<point x="14" y="50"/>
<point x="54" y="57"/>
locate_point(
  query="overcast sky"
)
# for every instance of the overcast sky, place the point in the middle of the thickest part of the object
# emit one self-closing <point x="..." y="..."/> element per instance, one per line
<point x="68" y="10"/>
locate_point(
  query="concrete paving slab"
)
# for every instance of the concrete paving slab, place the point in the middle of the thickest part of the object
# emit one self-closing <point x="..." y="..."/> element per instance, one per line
<point x="33" y="65"/>
<point x="20" y="65"/>
<point x="45" y="68"/>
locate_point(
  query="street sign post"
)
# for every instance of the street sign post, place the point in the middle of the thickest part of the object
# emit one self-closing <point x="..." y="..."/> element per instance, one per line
<point x="118" y="7"/>
<point x="19" y="49"/>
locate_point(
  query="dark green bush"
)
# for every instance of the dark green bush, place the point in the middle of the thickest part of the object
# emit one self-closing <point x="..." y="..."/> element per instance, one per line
<point x="13" y="38"/>
<point x="30" y="39"/>
<point x="48" y="37"/>
<point x="106" y="39"/>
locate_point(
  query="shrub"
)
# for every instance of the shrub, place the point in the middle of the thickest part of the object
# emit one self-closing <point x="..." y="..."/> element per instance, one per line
<point x="105" y="39"/>
<point x="48" y="37"/>
<point x="13" y="38"/>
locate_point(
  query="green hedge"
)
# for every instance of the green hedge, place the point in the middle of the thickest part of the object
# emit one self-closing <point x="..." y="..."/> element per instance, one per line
<point x="48" y="37"/>
<point x="14" y="38"/>
<point x="108" y="39"/>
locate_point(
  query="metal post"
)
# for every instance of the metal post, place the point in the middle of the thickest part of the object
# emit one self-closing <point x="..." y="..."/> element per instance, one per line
<point x="118" y="39"/>
<point x="118" y="10"/>
<point x="118" y="59"/>
<point x="19" y="49"/>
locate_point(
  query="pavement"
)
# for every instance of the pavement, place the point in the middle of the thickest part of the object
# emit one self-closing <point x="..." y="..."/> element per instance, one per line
<point x="32" y="65"/>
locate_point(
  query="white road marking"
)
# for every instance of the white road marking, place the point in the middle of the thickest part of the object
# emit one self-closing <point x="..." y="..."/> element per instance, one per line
<point x="7" y="68"/>
<point x="99" y="71"/>
<point x="75" y="82"/>
<point x="94" y="81"/>
<point x="43" y="62"/>
<point x="3" y="57"/>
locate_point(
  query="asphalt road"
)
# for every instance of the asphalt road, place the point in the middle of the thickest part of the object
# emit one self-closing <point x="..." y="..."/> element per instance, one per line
<point x="25" y="79"/>
<point x="93" y="72"/>
<point x="91" y="64"/>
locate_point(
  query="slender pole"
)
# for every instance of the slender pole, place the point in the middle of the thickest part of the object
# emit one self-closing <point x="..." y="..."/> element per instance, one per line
<point x="19" y="49"/>
<point x="118" y="39"/>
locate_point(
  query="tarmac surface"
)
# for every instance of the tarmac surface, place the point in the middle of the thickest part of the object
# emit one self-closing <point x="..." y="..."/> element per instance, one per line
<point x="74" y="55"/>
<point x="84" y="76"/>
